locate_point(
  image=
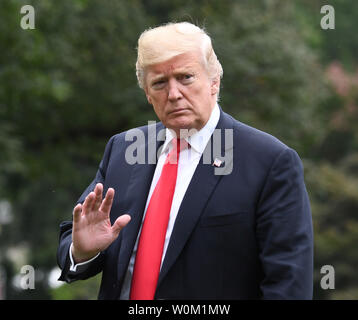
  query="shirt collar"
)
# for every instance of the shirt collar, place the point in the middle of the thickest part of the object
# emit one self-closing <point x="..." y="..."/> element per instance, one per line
<point x="199" y="139"/>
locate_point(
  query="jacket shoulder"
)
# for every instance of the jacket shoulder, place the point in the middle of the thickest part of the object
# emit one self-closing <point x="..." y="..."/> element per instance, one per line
<point x="257" y="141"/>
<point x="129" y="135"/>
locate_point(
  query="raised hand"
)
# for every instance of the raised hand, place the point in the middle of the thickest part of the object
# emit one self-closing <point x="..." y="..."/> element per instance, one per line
<point x="92" y="231"/>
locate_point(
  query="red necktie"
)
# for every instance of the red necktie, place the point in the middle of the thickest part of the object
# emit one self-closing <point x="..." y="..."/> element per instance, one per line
<point x="151" y="242"/>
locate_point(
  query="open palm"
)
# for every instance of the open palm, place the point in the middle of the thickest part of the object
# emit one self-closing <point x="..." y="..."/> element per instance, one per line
<point x="92" y="230"/>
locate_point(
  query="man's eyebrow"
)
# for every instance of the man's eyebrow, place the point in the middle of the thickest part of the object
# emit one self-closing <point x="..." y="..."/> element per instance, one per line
<point x="155" y="78"/>
<point x="161" y="76"/>
<point x="188" y="69"/>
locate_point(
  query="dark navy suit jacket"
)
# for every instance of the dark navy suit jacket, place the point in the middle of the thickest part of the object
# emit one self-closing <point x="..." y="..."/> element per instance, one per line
<point x="243" y="235"/>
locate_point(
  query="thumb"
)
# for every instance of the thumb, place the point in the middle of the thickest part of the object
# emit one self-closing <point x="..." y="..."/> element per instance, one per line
<point x="120" y="223"/>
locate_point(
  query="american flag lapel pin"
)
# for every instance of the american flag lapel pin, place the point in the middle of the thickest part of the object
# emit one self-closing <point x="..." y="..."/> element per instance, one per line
<point x="217" y="162"/>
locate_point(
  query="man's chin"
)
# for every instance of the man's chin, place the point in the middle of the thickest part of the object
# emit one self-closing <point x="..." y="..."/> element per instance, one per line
<point x="182" y="128"/>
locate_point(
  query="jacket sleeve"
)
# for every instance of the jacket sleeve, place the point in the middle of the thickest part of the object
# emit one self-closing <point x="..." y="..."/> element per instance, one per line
<point x="65" y="237"/>
<point x="284" y="231"/>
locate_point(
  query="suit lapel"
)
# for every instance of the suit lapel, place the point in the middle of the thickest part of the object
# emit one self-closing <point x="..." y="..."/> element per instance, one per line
<point x="136" y="197"/>
<point x="201" y="187"/>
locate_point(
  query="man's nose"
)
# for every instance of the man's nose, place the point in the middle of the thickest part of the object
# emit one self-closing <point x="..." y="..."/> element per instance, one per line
<point x="174" y="90"/>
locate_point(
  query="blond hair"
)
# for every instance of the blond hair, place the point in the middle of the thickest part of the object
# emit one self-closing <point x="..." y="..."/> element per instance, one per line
<point x="165" y="42"/>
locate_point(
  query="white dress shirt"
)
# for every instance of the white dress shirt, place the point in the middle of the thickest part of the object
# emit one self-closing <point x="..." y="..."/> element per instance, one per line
<point x="188" y="161"/>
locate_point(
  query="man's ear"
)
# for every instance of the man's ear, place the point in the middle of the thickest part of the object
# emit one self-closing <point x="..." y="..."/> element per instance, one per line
<point x="215" y="85"/>
<point x="149" y="98"/>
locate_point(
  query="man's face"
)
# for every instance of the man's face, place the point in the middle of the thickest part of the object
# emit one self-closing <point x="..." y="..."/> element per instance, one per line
<point x="181" y="92"/>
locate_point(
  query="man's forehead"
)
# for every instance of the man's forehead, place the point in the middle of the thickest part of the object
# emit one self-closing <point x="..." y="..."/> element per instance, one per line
<point x="172" y="69"/>
<point x="177" y="64"/>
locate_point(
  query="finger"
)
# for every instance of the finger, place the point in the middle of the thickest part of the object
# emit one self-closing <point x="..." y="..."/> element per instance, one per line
<point x="107" y="202"/>
<point x="120" y="223"/>
<point x="77" y="213"/>
<point x="87" y="205"/>
<point x="98" y="199"/>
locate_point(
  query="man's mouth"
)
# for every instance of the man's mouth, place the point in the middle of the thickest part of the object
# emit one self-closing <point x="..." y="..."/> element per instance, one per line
<point x="178" y="111"/>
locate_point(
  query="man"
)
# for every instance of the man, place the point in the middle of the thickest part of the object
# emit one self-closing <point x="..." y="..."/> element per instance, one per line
<point x="195" y="232"/>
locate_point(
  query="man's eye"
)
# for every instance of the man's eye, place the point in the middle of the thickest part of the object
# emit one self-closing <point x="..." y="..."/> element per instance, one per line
<point x="187" y="78"/>
<point x="158" y="84"/>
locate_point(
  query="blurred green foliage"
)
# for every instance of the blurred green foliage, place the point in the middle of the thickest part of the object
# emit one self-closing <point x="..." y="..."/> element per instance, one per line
<point x="69" y="84"/>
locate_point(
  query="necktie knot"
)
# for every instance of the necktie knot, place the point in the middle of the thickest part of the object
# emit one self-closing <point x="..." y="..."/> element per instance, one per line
<point x="177" y="146"/>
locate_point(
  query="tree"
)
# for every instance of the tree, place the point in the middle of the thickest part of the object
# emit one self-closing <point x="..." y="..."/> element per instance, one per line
<point x="69" y="84"/>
